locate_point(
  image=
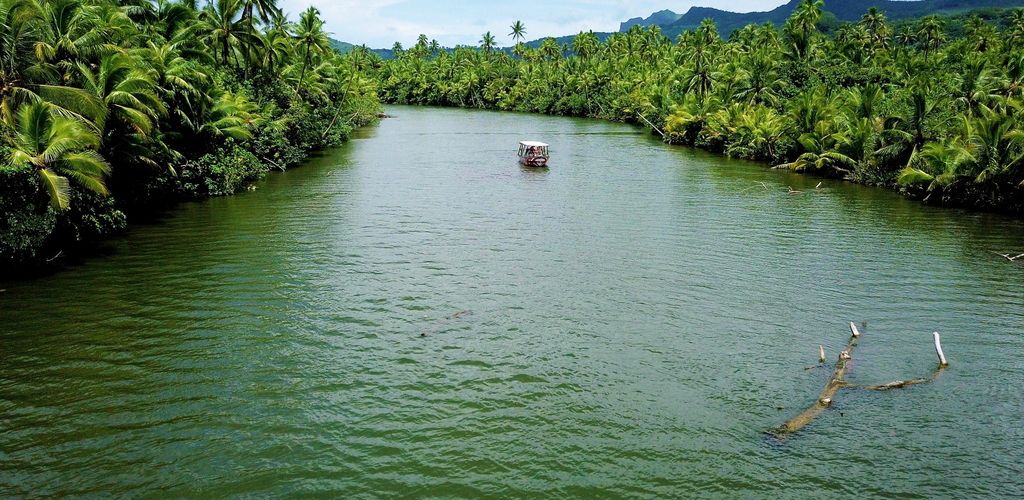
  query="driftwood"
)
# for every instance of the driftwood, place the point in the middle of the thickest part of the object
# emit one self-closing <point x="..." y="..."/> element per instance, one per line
<point x="644" y="118"/>
<point x="274" y="163"/>
<point x="755" y="186"/>
<point x="837" y="382"/>
<point x="1009" y="256"/>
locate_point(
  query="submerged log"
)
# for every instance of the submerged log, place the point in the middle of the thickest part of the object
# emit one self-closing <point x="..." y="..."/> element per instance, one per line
<point x="837" y="382"/>
<point x="899" y="384"/>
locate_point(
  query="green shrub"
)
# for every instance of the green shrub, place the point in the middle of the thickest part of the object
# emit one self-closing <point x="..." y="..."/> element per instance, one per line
<point x="26" y="219"/>
<point x="224" y="171"/>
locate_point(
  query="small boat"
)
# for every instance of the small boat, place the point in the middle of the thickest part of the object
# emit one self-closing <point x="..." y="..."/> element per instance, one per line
<point x="533" y="154"/>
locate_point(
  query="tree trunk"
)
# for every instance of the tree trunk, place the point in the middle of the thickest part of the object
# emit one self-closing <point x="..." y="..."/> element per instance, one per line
<point x="302" y="74"/>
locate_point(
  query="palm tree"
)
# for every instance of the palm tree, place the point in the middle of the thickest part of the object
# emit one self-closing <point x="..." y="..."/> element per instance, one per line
<point x="1015" y="30"/>
<point x="128" y="94"/>
<point x="930" y="33"/>
<point x="762" y="83"/>
<point x="487" y="43"/>
<point x="802" y="26"/>
<point x="231" y="115"/>
<point x="875" y="23"/>
<point x="997" y="144"/>
<point x="57" y="148"/>
<point x="973" y="91"/>
<point x="68" y="32"/>
<point x="823" y="154"/>
<point x="223" y="29"/>
<point x="266" y="9"/>
<point x="311" y="39"/>
<point x="938" y="164"/>
<point x="518" y="33"/>
<point x="277" y="47"/>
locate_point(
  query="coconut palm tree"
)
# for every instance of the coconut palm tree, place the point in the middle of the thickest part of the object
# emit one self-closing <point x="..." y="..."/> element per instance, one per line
<point x="518" y="33"/>
<point x="68" y="32"/>
<point x="762" y="83"/>
<point x="876" y="25"/>
<point x="277" y="48"/>
<point x="310" y="39"/>
<point x="128" y="94"/>
<point x="997" y="144"/>
<point x="931" y="34"/>
<point x="802" y="27"/>
<point x="57" y="149"/>
<point x="487" y="42"/>
<point x="224" y="30"/>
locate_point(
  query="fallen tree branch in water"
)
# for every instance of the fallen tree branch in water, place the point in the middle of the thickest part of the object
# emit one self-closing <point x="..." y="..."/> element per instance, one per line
<point x="644" y="118"/>
<point x="835" y="382"/>
<point x="1008" y="256"/>
<point x="274" y="163"/>
<point x="838" y="382"/>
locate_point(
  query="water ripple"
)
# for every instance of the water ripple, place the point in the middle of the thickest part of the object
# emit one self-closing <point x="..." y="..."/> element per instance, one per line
<point x="627" y="323"/>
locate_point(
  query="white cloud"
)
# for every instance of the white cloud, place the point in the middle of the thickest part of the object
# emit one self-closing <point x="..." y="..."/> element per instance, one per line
<point x="379" y="23"/>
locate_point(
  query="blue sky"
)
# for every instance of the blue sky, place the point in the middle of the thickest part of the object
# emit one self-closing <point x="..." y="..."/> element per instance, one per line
<point x="379" y="23"/>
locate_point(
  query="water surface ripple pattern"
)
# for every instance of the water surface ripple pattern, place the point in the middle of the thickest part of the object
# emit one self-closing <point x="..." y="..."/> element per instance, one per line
<point x="627" y="323"/>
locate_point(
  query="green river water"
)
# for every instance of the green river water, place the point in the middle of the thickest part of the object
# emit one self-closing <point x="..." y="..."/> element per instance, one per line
<point x="629" y="322"/>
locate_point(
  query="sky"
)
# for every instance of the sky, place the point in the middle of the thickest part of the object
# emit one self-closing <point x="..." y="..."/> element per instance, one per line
<point x="380" y="23"/>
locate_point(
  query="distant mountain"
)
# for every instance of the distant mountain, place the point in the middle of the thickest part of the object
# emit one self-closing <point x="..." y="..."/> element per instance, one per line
<point x="562" y="40"/>
<point x="345" y="48"/>
<point x="843" y="10"/>
<point x="660" y="18"/>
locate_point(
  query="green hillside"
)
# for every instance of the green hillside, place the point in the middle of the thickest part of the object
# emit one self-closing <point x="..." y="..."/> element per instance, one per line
<point x="843" y="10"/>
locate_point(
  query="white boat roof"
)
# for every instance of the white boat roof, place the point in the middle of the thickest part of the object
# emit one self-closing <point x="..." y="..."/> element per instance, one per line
<point x="533" y="143"/>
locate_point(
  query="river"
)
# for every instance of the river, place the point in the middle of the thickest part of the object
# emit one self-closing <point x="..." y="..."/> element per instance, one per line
<point x="416" y="314"/>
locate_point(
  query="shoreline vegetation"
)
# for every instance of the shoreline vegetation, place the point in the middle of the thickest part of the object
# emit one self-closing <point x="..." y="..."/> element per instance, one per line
<point x="118" y="109"/>
<point x="929" y="107"/>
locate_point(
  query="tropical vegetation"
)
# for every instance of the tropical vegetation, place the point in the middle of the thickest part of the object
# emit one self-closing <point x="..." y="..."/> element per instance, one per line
<point x="931" y="107"/>
<point x="110" y="108"/>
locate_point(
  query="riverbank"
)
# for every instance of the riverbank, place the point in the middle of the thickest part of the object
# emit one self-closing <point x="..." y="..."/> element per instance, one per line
<point x="36" y="239"/>
<point x="1007" y="198"/>
<point x="185" y="101"/>
<point x="934" y="118"/>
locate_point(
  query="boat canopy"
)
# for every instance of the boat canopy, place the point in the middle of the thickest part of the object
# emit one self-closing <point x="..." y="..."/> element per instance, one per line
<point x="533" y="144"/>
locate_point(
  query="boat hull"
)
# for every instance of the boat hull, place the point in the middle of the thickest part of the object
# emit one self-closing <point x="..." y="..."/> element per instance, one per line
<point x="534" y="162"/>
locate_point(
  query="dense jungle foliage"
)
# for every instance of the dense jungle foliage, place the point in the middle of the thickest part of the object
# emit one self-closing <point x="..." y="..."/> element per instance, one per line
<point x="111" y="107"/>
<point x="931" y="107"/>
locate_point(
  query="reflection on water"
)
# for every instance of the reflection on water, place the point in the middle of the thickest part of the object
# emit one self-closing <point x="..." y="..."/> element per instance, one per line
<point x="640" y="315"/>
